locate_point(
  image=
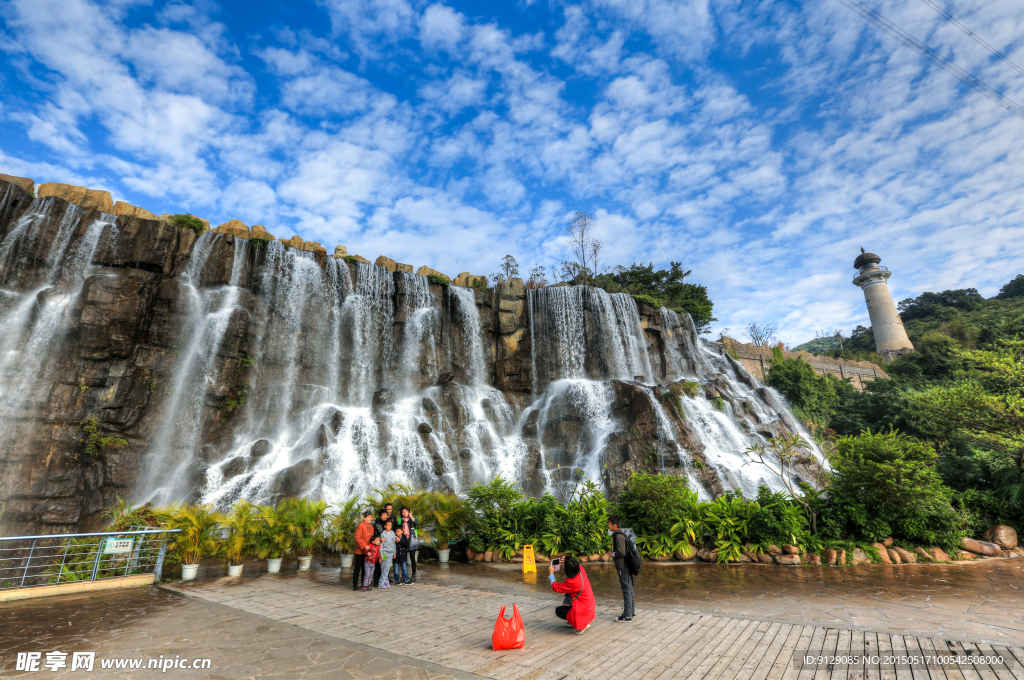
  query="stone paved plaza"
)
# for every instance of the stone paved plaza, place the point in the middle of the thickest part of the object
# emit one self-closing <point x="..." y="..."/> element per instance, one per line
<point x="694" y="621"/>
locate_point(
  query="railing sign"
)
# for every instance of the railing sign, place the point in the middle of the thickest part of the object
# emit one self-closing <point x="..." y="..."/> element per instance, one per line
<point x="118" y="545"/>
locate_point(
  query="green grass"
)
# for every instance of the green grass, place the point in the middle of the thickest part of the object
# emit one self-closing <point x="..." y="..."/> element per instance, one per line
<point x="188" y="221"/>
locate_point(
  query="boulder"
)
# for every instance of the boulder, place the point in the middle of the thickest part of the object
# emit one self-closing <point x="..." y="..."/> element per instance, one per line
<point x="424" y="428"/>
<point x="292" y="480"/>
<point x="841" y="557"/>
<point x="388" y="264"/>
<point x="787" y="560"/>
<point x="235" y="228"/>
<point x="595" y="558"/>
<point x="860" y="557"/>
<point x="894" y="557"/>
<point x="681" y="555"/>
<point x="86" y="199"/>
<point x="293" y="242"/>
<point x="705" y="555"/>
<point x="774" y="550"/>
<point x="981" y="547"/>
<point x="829" y="556"/>
<point x="906" y="557"/>
<point x="813" y="559"/>
<point x="882" y="553"/>
<point x="1010" y="555"/>
<point x="261" y="448"/>
<point x="470" y="554"/>
<point x="922" y="555"/>
<point x="340" y="251"/>
<point x="384" y="397"/>
<point x="360" y="258"/>
<point x="468" y="280"/>
<point x="488" y="556"/>
<point x="887" y="542"/>
<point x="938" y="554"/>
<point x="764" y="558"/>
<point x="1019" y="550"/>
<point x="1003" y="536"/>
<point x="479" y="557"/>
<point x="427" y="271"/>
<point x="607" y="557"/>
<point x="517" y="559"/>
<point x="122" y="208"/>
<point x="790" y="550"/>
<point x="25" y="183"/>
<point x="260" y="232"/>
<point x="965" y="555"/>
<point x="235" y="467"/>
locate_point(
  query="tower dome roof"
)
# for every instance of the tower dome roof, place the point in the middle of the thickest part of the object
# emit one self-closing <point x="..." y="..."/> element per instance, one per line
<point x="866" y="258"/>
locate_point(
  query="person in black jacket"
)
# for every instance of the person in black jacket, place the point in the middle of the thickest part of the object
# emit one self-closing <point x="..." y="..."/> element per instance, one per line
<point x="408" y="525"/>
<point x="620" y="548"/>
<point x="401" y="554"/>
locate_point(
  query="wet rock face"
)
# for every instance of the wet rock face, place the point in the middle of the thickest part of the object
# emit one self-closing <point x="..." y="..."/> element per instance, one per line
<point x="274" y="371"/>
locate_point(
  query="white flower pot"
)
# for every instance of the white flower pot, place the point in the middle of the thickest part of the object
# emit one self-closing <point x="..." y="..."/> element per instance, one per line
<point x="442" y="555"/>
<point x="346" y="561"/>
<point x="274" y="565"/>
<point x="188" y="571"/>
<point x="235" y="569"/>
<point x="304" y="562"/>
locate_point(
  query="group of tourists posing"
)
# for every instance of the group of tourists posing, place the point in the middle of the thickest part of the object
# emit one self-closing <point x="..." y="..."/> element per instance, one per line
<point x="382" y="544"/>
<point x="390" y="543"/>
<point x="579" y="607"/>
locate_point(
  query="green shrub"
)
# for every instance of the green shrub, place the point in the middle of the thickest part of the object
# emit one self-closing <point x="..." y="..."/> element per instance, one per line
<point x="187" y="221"/>
<point x="581" y="524"/>
<point x="814" y="397"/>
<point x="350" y="258"/>
<point x="778" y="519"/>
<point x="652" y="504"/>
<point x="438" y="279"/>
<point x="647" y="300"/>
<point x="886" y="484"/>
<point x="257" y="242"/>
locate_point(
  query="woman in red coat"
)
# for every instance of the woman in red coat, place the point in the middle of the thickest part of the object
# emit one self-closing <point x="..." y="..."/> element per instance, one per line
<point x="580" y="612"/>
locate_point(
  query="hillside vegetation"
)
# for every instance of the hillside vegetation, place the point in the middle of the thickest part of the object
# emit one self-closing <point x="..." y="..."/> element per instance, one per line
<point x="961" y="396"/>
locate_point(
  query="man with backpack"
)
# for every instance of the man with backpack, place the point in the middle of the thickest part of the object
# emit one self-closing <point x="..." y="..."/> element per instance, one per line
<point x="627" y="563"/>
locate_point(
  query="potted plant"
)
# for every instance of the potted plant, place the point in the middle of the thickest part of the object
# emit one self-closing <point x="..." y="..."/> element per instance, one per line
<point x="340" y="530"/>
<point x="273" y="537"/>
<point x="305" y="521"/>
<point x="242" y="525"/>
<point x="448" y="517"/>
<point x="196" y="537"/>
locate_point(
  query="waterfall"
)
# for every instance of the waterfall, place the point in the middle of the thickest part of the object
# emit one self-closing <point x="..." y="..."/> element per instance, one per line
<point x="36" y="323"/>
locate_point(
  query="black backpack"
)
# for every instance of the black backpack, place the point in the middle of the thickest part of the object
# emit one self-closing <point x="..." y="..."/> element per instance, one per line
<point x="632" y="556"/>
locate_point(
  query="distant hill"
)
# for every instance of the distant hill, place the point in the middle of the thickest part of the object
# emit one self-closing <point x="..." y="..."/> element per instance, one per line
<point x="817" y="346"/>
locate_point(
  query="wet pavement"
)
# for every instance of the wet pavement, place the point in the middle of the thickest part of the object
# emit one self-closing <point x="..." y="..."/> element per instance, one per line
<point x="968" y="601"/>
<point x="979" y="602"/>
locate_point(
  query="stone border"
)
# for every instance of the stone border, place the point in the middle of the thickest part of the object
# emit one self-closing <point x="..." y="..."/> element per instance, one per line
<point x="77" y="587"/>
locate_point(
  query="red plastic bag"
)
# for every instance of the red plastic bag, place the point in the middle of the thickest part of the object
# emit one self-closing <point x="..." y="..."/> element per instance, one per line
<point x="509" y="633"/>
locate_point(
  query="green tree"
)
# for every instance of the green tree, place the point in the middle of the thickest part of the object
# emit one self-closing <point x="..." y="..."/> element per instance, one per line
<point x="886" y="484"/>
<point x="815" y="398"/>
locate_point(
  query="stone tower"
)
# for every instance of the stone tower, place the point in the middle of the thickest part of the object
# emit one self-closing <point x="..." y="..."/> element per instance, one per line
<point x="891" y="339"/>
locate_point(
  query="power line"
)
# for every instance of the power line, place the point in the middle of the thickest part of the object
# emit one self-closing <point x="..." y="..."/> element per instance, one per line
<point x="946" y="65"/>
<point x="978" y="39"/>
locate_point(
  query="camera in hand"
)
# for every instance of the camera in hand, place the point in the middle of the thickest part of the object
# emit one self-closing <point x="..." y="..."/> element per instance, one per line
<point x="557" y="563"/>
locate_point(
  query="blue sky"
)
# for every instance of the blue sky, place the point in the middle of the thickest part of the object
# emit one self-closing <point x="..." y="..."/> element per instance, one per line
<point x="760" y="143"/>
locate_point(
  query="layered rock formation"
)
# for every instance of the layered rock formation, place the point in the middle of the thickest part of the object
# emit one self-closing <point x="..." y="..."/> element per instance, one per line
<point x="141" y="361"/>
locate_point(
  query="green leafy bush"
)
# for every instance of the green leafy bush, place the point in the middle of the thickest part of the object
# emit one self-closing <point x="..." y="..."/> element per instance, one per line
<point x="886" y="484"/>
<point x="438" y="279"/>
<point x="652" y="504"/>
<point x="647" y="300"/>
<point x="188" y="221"/>
<point x="257" y="242"/>
<point x="777" y="520"/>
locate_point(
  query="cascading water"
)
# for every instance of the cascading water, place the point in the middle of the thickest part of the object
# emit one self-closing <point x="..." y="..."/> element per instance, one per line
<point x="36" y="321"/>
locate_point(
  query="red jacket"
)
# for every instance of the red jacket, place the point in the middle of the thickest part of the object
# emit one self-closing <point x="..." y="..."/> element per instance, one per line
<point x="372" y="552"/>
<point x="583" y="604"/>
<point x="364" y="534"/>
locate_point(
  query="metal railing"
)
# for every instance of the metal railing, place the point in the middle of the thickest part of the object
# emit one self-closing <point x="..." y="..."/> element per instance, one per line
<point x="27" y="561"/>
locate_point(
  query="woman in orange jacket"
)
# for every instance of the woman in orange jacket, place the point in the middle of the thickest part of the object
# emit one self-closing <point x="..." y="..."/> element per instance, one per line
<point x="364" y="534"/>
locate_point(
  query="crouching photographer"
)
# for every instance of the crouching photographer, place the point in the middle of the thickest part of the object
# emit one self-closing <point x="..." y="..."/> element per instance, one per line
<point x="579" y="608"/>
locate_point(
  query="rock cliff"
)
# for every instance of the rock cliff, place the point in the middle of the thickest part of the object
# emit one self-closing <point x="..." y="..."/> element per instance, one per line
<point x="141" y="361"/>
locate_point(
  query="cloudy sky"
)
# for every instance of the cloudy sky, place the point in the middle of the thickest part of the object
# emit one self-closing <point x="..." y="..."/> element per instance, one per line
<point x="759" y="142"/>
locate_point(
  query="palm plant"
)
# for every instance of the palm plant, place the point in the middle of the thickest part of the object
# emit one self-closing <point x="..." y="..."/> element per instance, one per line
<point x="273" y="535"/>
<point x="242" y="524"/>
<point x="197" y="536"/>
<point x="305" y="518"/>
<point x="340" y="528"/>
<point x="446" y="518"/>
